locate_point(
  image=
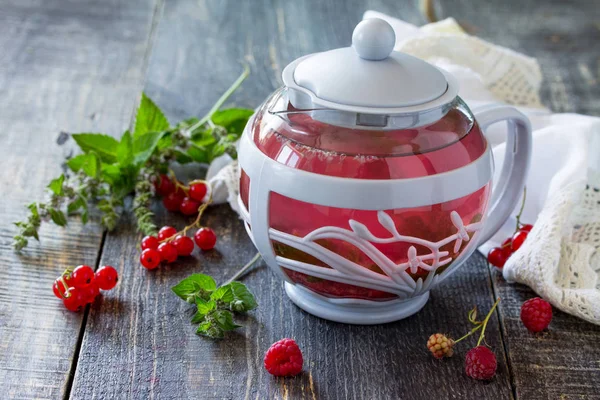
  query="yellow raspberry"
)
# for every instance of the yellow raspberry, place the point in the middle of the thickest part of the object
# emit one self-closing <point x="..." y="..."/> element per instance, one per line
<point x="440" y="345"/>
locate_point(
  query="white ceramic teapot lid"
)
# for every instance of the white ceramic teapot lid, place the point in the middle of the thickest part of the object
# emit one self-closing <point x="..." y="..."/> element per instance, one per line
<point x="369" y="77"/>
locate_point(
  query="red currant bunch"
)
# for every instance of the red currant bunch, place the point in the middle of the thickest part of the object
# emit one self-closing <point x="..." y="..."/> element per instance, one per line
<point x="177" y="197"/>
<point x="80" y="286"/>
<point x="498" y="256"/>
<point x="170" y="244"/>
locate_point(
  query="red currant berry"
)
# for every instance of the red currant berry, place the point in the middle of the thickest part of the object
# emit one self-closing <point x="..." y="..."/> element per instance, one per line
<point x="526" y="228"/>
<point x="150" y="258"/>
<point x="82" y="275"/>
<point x="106" y="277"/>
<point x="168" y="252"/>
<point x="507" y="247"/>
<point x="518" y="239"/>
<point x="205" y="238"/>
<point x="150" y="242"/>
<point x="165" y="233"/>
<point x="173" y="200"/>
<point x="76" y="299"/>
<point x="184" y="245"/>
<point x="497" y="257"/>
<point x="164" y="185"/>
<point x="59" y="289"/>
<point x="198" y="191"/>
<point x="189" y="206"/>
<point x="90" y="291"/>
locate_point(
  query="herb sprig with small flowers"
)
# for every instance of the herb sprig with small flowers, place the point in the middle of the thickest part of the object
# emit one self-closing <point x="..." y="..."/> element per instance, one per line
<point x="109" y="170"/>
<point x="214" y="305"/>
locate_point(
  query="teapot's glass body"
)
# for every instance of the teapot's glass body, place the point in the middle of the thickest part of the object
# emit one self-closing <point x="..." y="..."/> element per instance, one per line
<point x="309" y="140"/>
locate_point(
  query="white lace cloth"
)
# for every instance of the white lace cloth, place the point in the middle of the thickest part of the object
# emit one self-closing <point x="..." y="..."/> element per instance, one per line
<point x="560" y="259"/>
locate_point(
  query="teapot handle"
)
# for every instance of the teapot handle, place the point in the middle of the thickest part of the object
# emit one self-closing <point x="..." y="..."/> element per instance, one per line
<point x="517" y="157"/>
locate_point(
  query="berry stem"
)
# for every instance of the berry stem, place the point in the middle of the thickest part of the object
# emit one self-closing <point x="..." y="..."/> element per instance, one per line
<point x="66" y="294"/>
<point x="485" y="321"/>
<point x="472" y="331"/>
<point x="243" y="270"/>
<point x="521" y="209"/>
<point x="196" y="223"/>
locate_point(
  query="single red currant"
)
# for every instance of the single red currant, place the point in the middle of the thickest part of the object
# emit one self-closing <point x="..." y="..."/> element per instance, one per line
<point x="507" y="247"/>
<point x="150" y="242"/>
<point x="75" y="299"/>
<point x="518" y="239"/>
<point x="205" y="238"/>
<point x="106" y="277"/>
<point x="165" y="233"/>
<point x="168" y="252"/>
<point x="82" y="275"/>
<point x="59" y="289"/>
<point x="164" y="185"/>
<point x="189" y="206"/>
<point x="497" y="257"/>
<point x="90" y="291"/>
<point x="150" y="258"/>
<point x="198" y="191"/>
<point x="173" y="200"/>
<point x="526" y="228"/>
<point x="184" y="245"/>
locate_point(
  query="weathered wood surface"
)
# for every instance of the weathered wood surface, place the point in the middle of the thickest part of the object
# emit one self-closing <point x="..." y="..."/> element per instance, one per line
<point x="63" y="67"/>
<point x="137" y="341"/>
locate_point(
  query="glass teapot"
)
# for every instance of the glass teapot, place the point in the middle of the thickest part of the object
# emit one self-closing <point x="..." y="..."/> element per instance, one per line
<point x="366" y="180"/>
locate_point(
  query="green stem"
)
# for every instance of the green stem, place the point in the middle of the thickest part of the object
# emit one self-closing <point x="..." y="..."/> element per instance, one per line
<point x="522" y="207"/>
<point x="485" y="321"/>
<point x="243" y="269"/>
<point x="470" y="333"/>
<point x="222" y="99"/>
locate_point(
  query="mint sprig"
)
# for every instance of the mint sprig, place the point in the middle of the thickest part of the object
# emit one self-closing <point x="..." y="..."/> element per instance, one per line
<point x="214" y="305"/>
<point x="109" y="169"/>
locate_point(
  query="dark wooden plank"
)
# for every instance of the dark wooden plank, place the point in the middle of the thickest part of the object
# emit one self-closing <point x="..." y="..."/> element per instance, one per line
<point x="64" y="66"/>
<point x="139" y="342"/>
<point x="565" y="38"/>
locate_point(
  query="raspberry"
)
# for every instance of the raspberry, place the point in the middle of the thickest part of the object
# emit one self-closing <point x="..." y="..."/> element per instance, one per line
<point x="284" y="358"/>
<point x="536" y="314"/>
<point x="480" y="363"/>
<point x="440" y="345"/>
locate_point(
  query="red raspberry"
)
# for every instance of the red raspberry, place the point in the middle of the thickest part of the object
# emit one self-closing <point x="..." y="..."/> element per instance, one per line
<point x="480" y="363"/>
<point x="197" y="191"/>
<point x="536" y="314"/>
<point x="440" y="345"/>
<point x="189" y="206"/>
<point x="284" y="358"/>
<point x="164" y="185"/>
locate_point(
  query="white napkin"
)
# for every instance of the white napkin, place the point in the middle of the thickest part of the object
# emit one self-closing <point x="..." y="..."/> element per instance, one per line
<point x="560" y="257"/>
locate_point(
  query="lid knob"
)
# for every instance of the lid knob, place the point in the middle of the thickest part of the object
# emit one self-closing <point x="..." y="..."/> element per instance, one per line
<point x="373" y="39"/>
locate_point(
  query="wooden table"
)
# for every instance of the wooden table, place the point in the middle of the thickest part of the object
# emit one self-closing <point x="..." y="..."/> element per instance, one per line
<point x="81" y="65"/>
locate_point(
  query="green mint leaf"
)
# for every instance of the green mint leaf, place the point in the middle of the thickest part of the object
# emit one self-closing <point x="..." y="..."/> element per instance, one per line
<point x="198" y="317"/>
<point x="204" y="138"/>
<point x="192" y="284"/>
<point x="56" y="185"/>
<point x="207" y="328"/>
<point x="199" y="154"/>
<point x="111" y="173"/>
<point x="232" y="119"/>
<point x="125" y="150"/>
<point x="243" y="296"/>
<point x="224" y="293"/>
<point x="149" y="118"/>
<point x="204" y="307"/>
<point x="224" y="320"/>
<point x="77" y="204"/>
<point x="58" y="217"/>
<point x="144" y="145"/>
<point x="33" y="208"/>
<point x="103" y="145"/>
<point x="182" y="158"/>
<point x="88" y="162"/>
